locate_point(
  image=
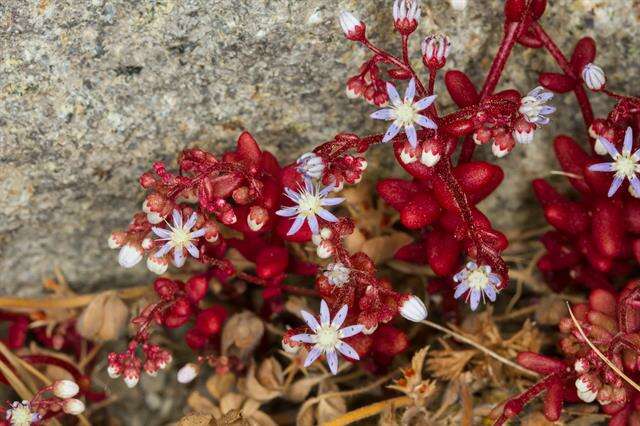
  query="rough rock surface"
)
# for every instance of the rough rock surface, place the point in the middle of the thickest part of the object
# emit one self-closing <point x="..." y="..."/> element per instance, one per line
<point x="92" y="92"/>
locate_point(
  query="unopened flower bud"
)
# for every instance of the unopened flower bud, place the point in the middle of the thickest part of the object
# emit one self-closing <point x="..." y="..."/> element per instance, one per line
<point x="503" y="143"/>
<point x="291" y="349"/>
<point x="355" y="87"/>
<point x="310" y="165"/>
<point x="65" y="389"/>
<point x="116" y="240"/>
<point x="114" y="371"/>
<point x="352" y="27"/>
<point x="188" y="372"/>
<point x="257" y="217"/>
<point x="431" y="153"/>
<point x="324" y="249"/>
<point x="523" y="131"/>
<point x="157" y="265"/>
<point x="408" y="155"/>
<point x="370" y="330"/>
<point x="593" y="77"/>
<point x="147" y="243"/>
<point x="435" y="49"/>
<point x="581" y="366"/>
<point x="406" y="14"/>
<point x="129" y="255"/>
<point x="413" y="309"/>
<point x="73" y="406"/>
<point x="131" y="378"/>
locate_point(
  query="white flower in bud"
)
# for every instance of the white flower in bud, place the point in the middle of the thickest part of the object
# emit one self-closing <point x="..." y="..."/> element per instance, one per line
<point x="129" y="255"/>
<point x="429" y="158"/>
<point x="113" y="371"/>
<point x="406" y="14"/>
<point x="337" y="274"/>
<point x="369" y="330"/>
<point x="435" y="49"/>
<point x="362" y="165"/>
<point x="498" y="150"/>
<point x="587" y="396"/>
<point x="587" y="387"/>
<point x="599" y="148"/>
<point x="593" y="77"/>
<point x="408" y="155"/>
<point x="581" y="366"/>
<point x="131" y="380"/>
<point x="289" y="348"/>
<point x="154" y="218"/>
<point x="523" y="132"/>
<point x="310" y="165"/>
<point x="188" y="372"/>
<point x="324" y="249"/>
<point x="157" y="265"/>
<point x="65" y="389"/>
<point x="534" y="106"/>
<point x="352" y="27"/>
<point x="116" y="240"/>
<point x="413" y="309"/>
<point x="257" y="217"/>
<point x="73" y="406"/>
<point x="458" y="4"/>
<point x="147" y="243"/>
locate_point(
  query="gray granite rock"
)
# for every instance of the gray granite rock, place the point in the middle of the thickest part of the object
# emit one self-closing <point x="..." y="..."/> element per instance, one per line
<point x="93" y="91"/>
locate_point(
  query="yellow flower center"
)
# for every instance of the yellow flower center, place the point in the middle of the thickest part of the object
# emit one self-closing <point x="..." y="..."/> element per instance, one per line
<point x="179" y="237"/>
<point x="625" y="165"/>
<point x="406" y="113"/>
<point x="308" y="204"/>
<point x="478" y="279"/>
<point x="327" y="337"/>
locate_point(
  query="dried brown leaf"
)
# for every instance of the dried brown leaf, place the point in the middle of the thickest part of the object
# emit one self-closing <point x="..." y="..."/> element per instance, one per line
<point x="299" y="389"/>
<point x="104" y="318"/>
<point x="264" y="383"/>
<point x="196" y="420"/>
<point x="219" y="385"/>
<point x="200" y="403"/>
<point x="383" y="248"/>
<point x="241" y="334"/>
<point x="550" y="310"/>
<point x="329" y="408"/>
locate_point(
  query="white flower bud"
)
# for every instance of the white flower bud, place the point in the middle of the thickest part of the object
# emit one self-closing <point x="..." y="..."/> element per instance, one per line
<point x="370" y="330"/>
<point x="188" y="372"/>
<point x="413" y="309"/>
<point x="290" y="349"/>
<point x="311" y="165"/>
<point x="458" y="4"/>
<point x="157" y="265"/>
<point x="65" y="389"/>
<point x="116" y="240"/>
<point x="429" y="158"/>
<point x="113" y="372"/>
<point x="73" y="406"/>
<point x="599" y="148"/>
<point x="408" y="155"/>
<point x="154" y="218"/>
<point x="587" y="396"/>
<point x="351" y="26"/>
<point x="147" y="243"/>
<point x="593" y="77"/>
<point x="324" y="250"/>
<point x="131" y="380"/>
<point x="129" y="255"/>
<point x="435" y="49"/>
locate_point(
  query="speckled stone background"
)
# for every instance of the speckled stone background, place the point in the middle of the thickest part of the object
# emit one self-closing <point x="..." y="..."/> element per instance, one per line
<point x="93" y="91"/>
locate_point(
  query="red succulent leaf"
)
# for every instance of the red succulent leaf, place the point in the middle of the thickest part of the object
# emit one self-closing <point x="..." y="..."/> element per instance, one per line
<point x="461" y="89"/>
<point x="553" y="400"/>
<point x="540" y="363"/>
<point x="421" y="210"/>
<point x="583" y="54"/>
<point x="396" y="192"/>
<point x="559" y="83"/>
<point x="443" y="252"/>
<point x="607" y="228"/>
<point x="572" y="159"/>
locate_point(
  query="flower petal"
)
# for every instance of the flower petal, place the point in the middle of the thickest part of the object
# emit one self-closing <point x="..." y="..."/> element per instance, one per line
<point x="339" y="318"/>
<point x="628" y="141"/>
<point x="410" y="93"/>
<point x="474" y="299"/>
<point x="332" y="360"/>
<point x="635" y="184"/>
<point x="384" y="114"/>
<point x="287" y="212"/>
<point x="410" y="130"/>
<point x="602" y="167"/>
<point x="490" y="291"/>
<point x="331" y="201"/>
<point x="165" y="234"/>
<point x="305" y="338"/>
<point x="460" y="290"/>
<point x="425" y="122"/>
<point x="314" y="353"/>
<point x="312" y="220"/>
<point x="394" y="97"/>
<point x="177" y="218"/>
<point x="163" y="250"/>
<point x="325" y="317"/>
<point x="615" y="184"/>
<point x="291" y="194"/>
<point x="197" y="234"/>
<point x="347" y="350"/>
<point x="425" y="103"/>
<point x="178" y="257"/>
<point x="297" y="224"/>
<point x="391" y="133"/>
<point x="192" y="221"/>
<point x="311" y="321"/>
<point x="352" y="330"/>
<point x="193" y="250"/>
<point x="611" y="149"/>
<point x="327" y="215"/>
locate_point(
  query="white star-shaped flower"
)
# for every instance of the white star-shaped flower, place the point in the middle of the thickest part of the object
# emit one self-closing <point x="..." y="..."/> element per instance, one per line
<point x="478" y="281"/>
<point x="405" y="113"/>
<point x="534" y="106"/>
<point x="624" y="165"/>
<point x="327" y="335"/>
<point x="310" y="202"/>
<point x="20" y="414"/>
<point x="179" y="238"/>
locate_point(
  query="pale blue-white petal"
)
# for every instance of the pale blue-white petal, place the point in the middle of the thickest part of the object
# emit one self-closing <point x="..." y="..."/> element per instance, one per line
<point x="311" y="321"/>
<point x="347" y="350"/>
<point x="287" y="212"/>
<point x="615" y="184"/>
<point x="542" y="120"/>
<point x="410" y="93"/>
<point x="163" y="250"/>
<point x="391" y="133"/>
<point x="544" y="96"/>
<point x="192" y="221"/>
<point x="179" y="257"/>
<point x="339" y="318"/>
<point x="331" y="201"/>
<point x="635" y="183"/>
<point x="308" y="186"/>
<point x="425" y="103"/>
<point x="384" y="114"/>
<point x="546" y="110"/>
<point x="494" y="279"/>
<point x="314" y="353"/>
<point x="611" y="149"/>
<point x="460" y="290"/>
<point x="326" y="190"/>
<point x="628" y="141"/>
<point x="325" y="317"/>
<point x="410" y="130"/>
<point x="165" y="234"/>
<point x="327" y="215"/>
<point x="352" y="330"/>
<point x="193" y="250"/>
<point x="312" y="220"/>
<point x="291" y="194"/>
<point x="296" y="225"/>
<point x="197" y="234"/>
<point x="394" y="97"/>
<point x="471" y="266"/>
<point x="474" y="299"/>
<point x="426" y="122"/>
<point x="177" y="219"/>
<point x="602" y="167"/>
<point x="305" y="338"/>
<point x="332" y="360"/>
<point x="490" y="291"/>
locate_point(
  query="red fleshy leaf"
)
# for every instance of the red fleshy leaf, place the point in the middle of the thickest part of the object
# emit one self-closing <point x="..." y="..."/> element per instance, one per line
<point x="443" y="252"/>
<point x="545" y="193"/>
<point x="396" y="192"/>
<point x="461" y="89"/>
<point x="584" y="53"/>
<point x="420" y="211"/>
<point x="540" y="363"/>
<point x="247" y="149"/>
<point x="567" y="217"/>
<point x="412" y="253"/>
<point x="603" y="301"/>
<point x="553" y="400"/>
<point x="607" y="228"/>
<point x="572" y="159"/>
<point x="559" y="83"/>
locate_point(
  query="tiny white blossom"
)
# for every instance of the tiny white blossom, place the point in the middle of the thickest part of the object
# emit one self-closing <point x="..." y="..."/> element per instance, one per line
<point x="337" y="274"/>
<point x="436" y="48"/>
<point x="179" y="238"/>
<point x="534" y="106"/>
<point x="310" y="202"/>
<point x="624" y="165"/>
<point x="477" y="282"/>
<point x="413" y="309"/>
<point x="65" y="389"/>
<point x="405" y="113"/>
<point x="327" y="335"/>
<point x="157" y="265"/>
<point x="593" y="77"/>
<point x="188" y="372"/>
<point x="20" y="414"/>
<point x="406" y="9"/>
<point x="310" y="165"/>
<point x="351" y="26"/>
<point x="73" y="406"/>
<point x="129" y="255"/>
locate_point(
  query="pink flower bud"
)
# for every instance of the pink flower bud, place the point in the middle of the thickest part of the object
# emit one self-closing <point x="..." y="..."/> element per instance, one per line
<point x="435" y="49"/>
<point x="352" y="27"/>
